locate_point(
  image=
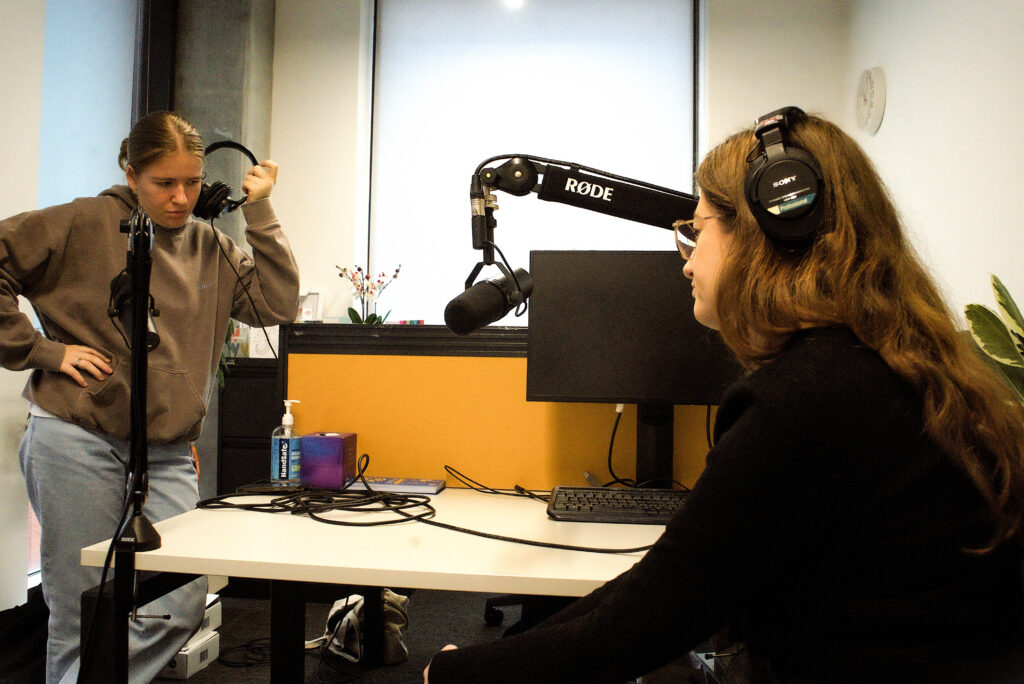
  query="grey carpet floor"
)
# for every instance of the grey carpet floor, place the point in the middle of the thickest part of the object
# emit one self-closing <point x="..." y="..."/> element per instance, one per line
<point x="436" y="618"/>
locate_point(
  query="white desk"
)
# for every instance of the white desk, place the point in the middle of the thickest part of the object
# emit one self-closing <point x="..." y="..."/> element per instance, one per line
<point x="294" y="549"/>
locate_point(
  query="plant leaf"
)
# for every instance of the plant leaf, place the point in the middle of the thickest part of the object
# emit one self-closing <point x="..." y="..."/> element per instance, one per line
<point x="1011" y="314"/>
<point x="1012" y="375"/>
<point x="353" y="316"/>
<point x="1015" y="377"/>
<point x="386" y="316"/>
<point x="991" y="334"/>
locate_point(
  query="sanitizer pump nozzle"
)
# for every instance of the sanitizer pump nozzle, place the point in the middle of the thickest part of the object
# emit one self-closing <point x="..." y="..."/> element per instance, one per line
<point x="288" y="420"/>
<point x="286" y="454"/>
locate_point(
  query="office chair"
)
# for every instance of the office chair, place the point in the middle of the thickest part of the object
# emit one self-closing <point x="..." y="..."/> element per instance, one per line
<point x="535" y="609"/>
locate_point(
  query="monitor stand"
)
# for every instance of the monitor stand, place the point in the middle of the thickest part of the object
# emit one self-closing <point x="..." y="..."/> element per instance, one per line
<point x="654" y="436"/>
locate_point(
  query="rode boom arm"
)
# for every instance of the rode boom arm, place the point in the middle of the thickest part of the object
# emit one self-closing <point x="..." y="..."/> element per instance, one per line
<point x="564" y="182"/>
<point x="575" y="185"/>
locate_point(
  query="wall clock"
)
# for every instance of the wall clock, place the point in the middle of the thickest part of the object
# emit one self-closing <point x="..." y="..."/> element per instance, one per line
<point x="871" y="99"/>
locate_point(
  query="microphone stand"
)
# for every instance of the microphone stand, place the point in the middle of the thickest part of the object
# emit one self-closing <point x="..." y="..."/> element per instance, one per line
<point x="137" y="533"/>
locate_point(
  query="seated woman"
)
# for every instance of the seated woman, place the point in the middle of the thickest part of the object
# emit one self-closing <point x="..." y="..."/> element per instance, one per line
<point x="859" y="516"/>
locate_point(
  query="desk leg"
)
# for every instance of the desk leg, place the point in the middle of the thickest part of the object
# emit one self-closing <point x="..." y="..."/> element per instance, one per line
<point x="287" y="632"/>
<point x="373" y="626"/>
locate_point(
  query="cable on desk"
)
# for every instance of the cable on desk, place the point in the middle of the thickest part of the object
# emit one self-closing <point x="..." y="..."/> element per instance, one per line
<point x="313" y="502"/>
<point x="517" y="490"/>
<point x="529" y="542"/>
<point x="409" y="507"/>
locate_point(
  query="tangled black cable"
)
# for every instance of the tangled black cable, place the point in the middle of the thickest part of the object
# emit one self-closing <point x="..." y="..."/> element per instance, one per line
<point x="255" y="652"/>
<point x="314" y="502"/>
<point x="408" y="507"/>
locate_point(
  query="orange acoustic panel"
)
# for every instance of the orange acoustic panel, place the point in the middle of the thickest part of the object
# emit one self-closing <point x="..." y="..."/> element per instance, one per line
<point x="416" y="414"/>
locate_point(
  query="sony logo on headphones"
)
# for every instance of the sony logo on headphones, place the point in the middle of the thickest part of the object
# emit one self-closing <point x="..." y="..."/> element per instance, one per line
<point x="587" y="188"/>
<point x="784" y="181"/>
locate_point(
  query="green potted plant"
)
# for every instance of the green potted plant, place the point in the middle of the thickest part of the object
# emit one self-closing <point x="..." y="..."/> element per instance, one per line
<point x="1000" y="336"/>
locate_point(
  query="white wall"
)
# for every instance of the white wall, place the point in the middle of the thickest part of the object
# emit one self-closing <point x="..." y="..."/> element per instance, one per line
<point x="320" y="105"/>
<point x="21" y="43"/>
<point x="762" y="56"/>
<point x="949" y="146"/>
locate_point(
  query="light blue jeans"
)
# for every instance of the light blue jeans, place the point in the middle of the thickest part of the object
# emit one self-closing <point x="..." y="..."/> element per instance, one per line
<point x="76" y="484"/>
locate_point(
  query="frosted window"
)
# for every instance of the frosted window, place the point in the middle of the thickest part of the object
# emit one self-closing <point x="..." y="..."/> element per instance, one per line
<point x="603" y="83"/>
<point x="88" y="61"/>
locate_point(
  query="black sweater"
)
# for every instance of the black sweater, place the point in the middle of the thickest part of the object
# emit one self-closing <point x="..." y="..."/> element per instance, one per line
<point x="826" y="533"/>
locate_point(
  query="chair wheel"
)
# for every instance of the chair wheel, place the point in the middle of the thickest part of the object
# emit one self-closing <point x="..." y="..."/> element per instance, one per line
<point x="493" y="616"/>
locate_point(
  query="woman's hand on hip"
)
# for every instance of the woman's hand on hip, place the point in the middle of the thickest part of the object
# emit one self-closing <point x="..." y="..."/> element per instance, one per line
<point x="80" y="359"/>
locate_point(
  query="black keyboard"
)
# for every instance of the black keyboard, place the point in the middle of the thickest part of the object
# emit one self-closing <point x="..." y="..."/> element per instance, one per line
<point x="647" y="506"/>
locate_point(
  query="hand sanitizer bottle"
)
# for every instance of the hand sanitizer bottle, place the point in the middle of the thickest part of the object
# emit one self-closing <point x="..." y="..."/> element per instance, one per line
<point x="285" y="451"/>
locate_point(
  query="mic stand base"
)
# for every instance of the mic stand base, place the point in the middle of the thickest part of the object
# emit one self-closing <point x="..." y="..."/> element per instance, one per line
<point x="138" y="534"/>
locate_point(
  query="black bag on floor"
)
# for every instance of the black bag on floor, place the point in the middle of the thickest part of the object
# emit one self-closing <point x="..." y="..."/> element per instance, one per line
<point x="23" y="641"/>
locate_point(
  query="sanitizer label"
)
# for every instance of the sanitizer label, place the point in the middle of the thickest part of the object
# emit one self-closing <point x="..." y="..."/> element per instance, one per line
<point x="286" y="454"/>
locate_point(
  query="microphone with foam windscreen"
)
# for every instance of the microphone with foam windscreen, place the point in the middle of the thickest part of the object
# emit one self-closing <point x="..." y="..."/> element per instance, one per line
<point x="486" y="302"/>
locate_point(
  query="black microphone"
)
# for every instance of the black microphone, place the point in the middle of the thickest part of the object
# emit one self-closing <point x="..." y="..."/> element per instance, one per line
<point x="120" y="307"/>
<point x="487" y="302"/>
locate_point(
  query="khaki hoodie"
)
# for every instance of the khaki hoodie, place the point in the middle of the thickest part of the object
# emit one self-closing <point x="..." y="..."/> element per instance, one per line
<point x="62" y="260"/>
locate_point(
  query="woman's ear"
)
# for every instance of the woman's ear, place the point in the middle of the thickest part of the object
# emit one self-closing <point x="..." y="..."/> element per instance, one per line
<point x="133" y="182"/>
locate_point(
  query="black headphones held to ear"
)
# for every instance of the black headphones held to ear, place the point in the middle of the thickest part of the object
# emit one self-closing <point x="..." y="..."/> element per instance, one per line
<point x="784" y="184"/>
<point x="215" y="199"/>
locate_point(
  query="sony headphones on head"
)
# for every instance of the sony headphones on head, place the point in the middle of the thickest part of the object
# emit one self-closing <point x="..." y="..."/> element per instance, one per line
<point x="215" y="199"/>
<point x="784" y="183"/>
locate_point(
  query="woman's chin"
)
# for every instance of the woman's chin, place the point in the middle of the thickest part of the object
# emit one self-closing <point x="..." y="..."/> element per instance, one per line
<point x="704" y="316"/>
<point x="175" y="220"/>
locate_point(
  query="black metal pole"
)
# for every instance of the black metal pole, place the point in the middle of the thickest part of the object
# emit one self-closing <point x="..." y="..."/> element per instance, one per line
<point x="137" y="533"/>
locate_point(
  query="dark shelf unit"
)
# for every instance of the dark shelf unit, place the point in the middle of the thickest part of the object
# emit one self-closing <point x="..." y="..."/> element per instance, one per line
<point x="249" y="409"/>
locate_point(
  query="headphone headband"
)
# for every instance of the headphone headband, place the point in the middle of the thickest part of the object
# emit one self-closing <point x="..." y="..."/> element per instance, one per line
<point x="213" y="147"/>
<point x="784" y="183"/>
<point x="781" y="118"/>
<point x="215" y="198"/>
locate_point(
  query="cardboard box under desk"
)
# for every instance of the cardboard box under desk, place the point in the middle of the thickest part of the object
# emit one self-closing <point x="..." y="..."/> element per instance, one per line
<point x="193" y="658"/>
<point x="202" y="648"/>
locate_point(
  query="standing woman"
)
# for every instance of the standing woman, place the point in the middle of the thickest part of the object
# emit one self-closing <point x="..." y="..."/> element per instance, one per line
<point x="75" y="452"/>
<point x="859" y="516"/>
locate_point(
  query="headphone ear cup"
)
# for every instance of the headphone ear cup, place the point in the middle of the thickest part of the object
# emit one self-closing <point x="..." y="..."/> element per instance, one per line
<point x="215" y="199"/>
<point x="212" y="200"/>
<point x="784" y="195"/>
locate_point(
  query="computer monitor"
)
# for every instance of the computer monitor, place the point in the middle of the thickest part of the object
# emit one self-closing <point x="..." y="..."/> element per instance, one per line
<point x="618" y="327"/>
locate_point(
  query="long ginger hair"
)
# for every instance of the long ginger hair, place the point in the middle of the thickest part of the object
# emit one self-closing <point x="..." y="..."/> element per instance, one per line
<point x="861" y="272"/>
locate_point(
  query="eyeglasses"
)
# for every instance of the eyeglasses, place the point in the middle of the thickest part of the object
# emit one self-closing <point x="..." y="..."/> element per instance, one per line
<point x="686" y="236"/>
